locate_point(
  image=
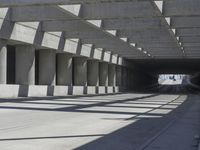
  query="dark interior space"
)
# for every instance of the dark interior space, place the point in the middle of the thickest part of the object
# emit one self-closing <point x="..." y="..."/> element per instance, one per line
<point x="147" y="73"/>
<point x="73" y="72"/>
<point x="37" y="67"/>
<point x="10" y="64"/>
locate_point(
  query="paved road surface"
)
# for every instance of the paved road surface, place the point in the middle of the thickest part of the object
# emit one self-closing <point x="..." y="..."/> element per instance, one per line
<point x="115" y="122"/>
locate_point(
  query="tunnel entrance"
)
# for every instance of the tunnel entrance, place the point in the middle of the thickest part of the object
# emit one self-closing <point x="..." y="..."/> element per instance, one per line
<point x="175" y="84"/>
<point x="171" y="79"/>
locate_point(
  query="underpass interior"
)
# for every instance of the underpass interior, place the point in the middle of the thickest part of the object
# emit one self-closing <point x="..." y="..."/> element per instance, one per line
<point x="154" y="68"/>
<point x="86" y="75"/>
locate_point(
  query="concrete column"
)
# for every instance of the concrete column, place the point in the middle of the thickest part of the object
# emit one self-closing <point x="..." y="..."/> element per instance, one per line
<point x="47" y="67"/>
<point x="64" y="69"/>
<point x="25" y="65"/>
<point x="111" y="75"/>
<point x="93" y="73"/>
<point x="3" y="62"/>
<point x="118" y="75"/>
<point x="80" y="71"/>
<point x="124" y="77"/>
<point x="103" y="74"/>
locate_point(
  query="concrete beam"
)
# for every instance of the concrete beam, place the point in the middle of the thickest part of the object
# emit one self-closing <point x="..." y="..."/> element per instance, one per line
<point x="117" y="10"/>
<point x="39" y="13"/>
<point x="151" y="45"/>
<point x="161" y="31"/>
<point x="153" y="39"/>
<point x="66" y="25"/>
<point x="85" y="35"/>
<point x="182" y="8"/>
<point x="190" y="39"/>
<point x="131" y="24"/>
<point x="188" y="32"/>
<point x="185" y="22"/>
<point x="17" y="3"/>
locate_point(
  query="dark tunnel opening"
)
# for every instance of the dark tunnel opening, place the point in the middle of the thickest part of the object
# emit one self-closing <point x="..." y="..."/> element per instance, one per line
<point x="146" y="75"/>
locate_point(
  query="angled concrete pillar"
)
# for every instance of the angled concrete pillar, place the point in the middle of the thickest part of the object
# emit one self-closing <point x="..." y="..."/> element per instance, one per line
<point x="93" y="73"/>
<point x="103" y="74"/>
<point x="111" y="75"/>
<point x="3" y="62"/>
<point x="118" y="75"/>
<point x="80" y="71"/>
<point x="64" y="69"/>
<point x="25" y="65"/>
<point x="47" y="67"/>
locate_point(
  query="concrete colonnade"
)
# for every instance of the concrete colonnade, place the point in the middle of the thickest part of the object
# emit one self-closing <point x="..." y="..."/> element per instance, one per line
<point x="46" y="67"/>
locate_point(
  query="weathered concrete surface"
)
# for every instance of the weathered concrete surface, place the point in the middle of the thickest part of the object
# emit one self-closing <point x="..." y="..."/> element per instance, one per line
<point x="123" y="121"/>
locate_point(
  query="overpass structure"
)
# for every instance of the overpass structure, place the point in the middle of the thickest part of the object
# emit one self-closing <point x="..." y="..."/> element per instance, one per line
<point x="74" y="47"/>
<point x="110" y="51"/>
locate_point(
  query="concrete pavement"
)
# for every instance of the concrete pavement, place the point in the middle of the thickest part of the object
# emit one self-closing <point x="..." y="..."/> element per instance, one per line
<point x="120" y="122"/>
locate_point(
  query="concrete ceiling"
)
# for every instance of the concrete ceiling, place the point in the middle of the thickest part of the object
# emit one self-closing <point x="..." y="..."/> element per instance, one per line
<point x="134" y="29"/>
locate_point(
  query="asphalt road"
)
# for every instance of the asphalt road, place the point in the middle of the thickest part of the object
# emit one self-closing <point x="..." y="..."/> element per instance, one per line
<point x="114" y="122"/>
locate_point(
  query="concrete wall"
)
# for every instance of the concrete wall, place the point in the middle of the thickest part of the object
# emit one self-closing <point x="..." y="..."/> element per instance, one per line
<point x="44" y="90"/>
